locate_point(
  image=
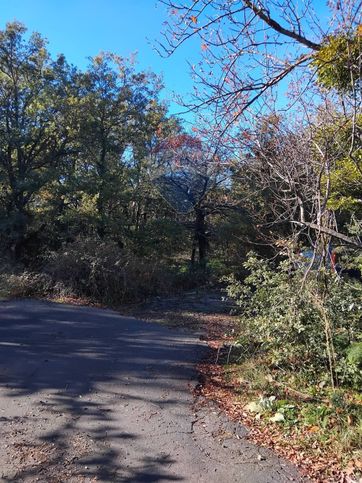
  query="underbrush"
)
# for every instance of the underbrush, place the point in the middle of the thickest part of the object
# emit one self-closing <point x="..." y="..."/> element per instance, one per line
<point x="101" y="272"/>
<point x="308" y="325"/>
<point x="296" y="363"/>
<point x="317" y="419"/>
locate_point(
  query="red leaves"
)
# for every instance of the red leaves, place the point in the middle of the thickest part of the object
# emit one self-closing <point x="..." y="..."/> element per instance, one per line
<point x="179" y="141"/>
<point x="246" y="135"/>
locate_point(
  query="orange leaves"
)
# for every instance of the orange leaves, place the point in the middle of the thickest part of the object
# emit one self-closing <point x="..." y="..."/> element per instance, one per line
<point x="180" y="142"/>
<point x="184" y="140"/>
<point x="359" y="30"/>
<point x="193" y="19"/>
<point x="204" y="47"/>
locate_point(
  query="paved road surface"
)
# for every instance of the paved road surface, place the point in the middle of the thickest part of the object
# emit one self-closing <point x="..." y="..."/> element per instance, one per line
<point x="88" y="395"/>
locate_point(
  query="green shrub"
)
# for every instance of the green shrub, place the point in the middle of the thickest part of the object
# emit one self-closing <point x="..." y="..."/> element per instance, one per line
<point x="354" y="354"/>
<point x="309" y="325"/>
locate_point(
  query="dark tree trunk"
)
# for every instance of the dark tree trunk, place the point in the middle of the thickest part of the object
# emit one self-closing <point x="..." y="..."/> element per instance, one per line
<point x="101" y="201"/>
<point x="18" y="230"/>
<point x="201" y="235"/>
<point x="193" y="252"/>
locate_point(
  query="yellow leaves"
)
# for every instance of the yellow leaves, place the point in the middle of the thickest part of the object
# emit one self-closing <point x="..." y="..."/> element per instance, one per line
<point x="337" y="61"/>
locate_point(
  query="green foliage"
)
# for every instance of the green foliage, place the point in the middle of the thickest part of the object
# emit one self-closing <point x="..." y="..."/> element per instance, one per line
<point x="73" y="145"/>
<point x="35" y="128"/>
<point x="354" y="354"/>
<point x="350" y="367"/>
<point x="338" y="62"/>
<point x="77" y="153"/>
<point x="298" y="328"/>
<point x="346" y="185"/>
<point x="160" y="238"/>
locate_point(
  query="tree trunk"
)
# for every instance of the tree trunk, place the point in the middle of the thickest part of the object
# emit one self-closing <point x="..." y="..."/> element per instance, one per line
<point x="201" y="235"/>
<point x="18" y="232"/>
<point x="101" y="202"/>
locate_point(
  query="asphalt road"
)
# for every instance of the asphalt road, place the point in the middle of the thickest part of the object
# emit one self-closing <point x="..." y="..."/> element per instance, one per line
<point x="88" y="395"/>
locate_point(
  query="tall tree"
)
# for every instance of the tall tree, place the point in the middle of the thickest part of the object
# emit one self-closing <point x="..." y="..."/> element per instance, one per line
<point x="34" y="131"/>
<point x="116" y="106"/>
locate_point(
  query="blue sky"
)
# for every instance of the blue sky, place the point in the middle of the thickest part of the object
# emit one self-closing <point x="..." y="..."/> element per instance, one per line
<point x="83" y="28"/>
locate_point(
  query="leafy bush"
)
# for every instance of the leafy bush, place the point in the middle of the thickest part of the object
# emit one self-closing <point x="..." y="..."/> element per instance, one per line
<point x="308" y="325"/>
<point x="354" y="354"/>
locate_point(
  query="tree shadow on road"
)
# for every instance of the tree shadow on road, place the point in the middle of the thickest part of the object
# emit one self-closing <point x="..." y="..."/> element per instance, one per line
<point x="74" y="377"/>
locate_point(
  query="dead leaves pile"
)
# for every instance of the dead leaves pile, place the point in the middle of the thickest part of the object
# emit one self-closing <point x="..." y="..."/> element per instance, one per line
<point x="311" y="460"/>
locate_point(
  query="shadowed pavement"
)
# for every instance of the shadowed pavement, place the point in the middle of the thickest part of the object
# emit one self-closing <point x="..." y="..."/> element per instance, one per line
<point x="89" y="395"/>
